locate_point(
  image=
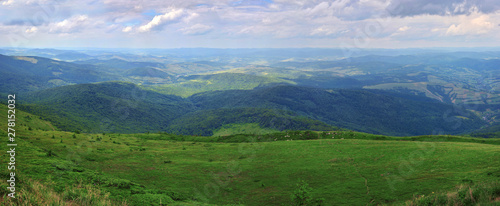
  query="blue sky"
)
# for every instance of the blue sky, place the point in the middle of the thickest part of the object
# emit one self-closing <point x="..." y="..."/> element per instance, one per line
<point x="250" y="23"/>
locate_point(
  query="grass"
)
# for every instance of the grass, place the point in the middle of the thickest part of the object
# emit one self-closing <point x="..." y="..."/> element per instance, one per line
<point x="340" y="167"/>
<point x="248" y="128"/>
<point x="467" y="194"/>
<point x="36" y="193"/>
<point x="216" y="82"/>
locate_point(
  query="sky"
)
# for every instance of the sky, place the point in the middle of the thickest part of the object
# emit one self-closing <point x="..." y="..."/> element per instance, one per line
<point x="249" y="23"/>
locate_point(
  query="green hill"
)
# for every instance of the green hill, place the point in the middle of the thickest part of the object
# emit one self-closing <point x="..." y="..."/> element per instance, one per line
<point x="334" y="168"/>
<point x="125" y="107"/>
<point x="205" y="122"/>
<point x="214" y="82"/>
<point x="359" y="110"/>
<point x="147" y="72"/>
<point x="19" y="74"/>
<point x="106" y="107"/>
<point x="492" y="131"/>
<point x="115" y="64"/>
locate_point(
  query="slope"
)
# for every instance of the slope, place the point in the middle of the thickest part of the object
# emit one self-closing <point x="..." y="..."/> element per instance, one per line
<point x="18" y="74"/>
<point x="106" y="107"/>
<point x="213" y="82"/>
<point x="205" y="122"/>
<point x="360" y="110"/>
<point x="126" y="108"/>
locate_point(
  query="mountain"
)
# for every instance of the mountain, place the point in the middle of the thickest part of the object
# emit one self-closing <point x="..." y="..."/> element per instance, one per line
<point x="72" y="55"/>
<point x="119" y="64"/>
<point x="204" y="122"/>
<point x="492" y="131"/>
<point x="147" y="72"/>
<point x="106" y="107"/>
<point x="127" y="108"/>
<point x="359" y="110"/>
<point x="19" y="73"/>
<point x="194" y="84"/>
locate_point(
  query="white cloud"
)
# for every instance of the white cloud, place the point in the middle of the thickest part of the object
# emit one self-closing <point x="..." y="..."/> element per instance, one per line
<point x="127" y="29"/>
<point x="285" y="21"/>
<point x="7" y="2"/>
<point x="404" y="28"/>
<point x="475" y="26"/>
<point x="326" y="31"/>
<point x="191" y="17"/>
<point x="197" y="29"/>
<point x="31" y="30"/>
<point x="70" y="25"/>
<point x="161" y="20"/>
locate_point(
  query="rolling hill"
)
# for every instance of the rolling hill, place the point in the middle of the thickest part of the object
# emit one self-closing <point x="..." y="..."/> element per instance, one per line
<point x="194" y="84"/>
<point x="19" y="74"/>
<point x="106" y="107"/>
<point x="335" y="167"/>
<point x="125" y="107"/>
<point x="359" y="110"/>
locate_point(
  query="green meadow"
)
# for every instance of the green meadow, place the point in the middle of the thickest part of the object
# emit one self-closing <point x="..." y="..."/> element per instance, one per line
<point x="329" y="168"/>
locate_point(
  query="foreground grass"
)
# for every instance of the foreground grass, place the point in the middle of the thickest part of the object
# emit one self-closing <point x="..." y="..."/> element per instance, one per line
<point x="468" y="194"/>
<point x="343" y="171"/>
<point x="341" y="167"/>
<point x="247" y="128"/>
<point x="36" y="193"/>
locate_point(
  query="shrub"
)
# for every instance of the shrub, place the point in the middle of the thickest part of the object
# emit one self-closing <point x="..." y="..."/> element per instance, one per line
<point x="302" y="194"/>
<point x="120" y="183"/>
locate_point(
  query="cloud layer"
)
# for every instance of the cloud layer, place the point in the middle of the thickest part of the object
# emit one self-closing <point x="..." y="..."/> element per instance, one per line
<point x="250" y="23"/>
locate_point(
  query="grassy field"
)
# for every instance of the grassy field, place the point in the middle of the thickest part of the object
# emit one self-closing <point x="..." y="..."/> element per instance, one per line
<point x="340" y="167"/>
<point x="248" y="128"/>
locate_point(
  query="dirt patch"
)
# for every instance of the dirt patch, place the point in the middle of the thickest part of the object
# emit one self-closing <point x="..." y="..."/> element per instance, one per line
<point x="29" y="59"/>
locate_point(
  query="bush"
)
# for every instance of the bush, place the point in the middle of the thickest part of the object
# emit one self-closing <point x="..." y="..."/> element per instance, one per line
<point x="177" y="196"/>
<point x="302" y="194"/>
<point x="120" y="183"/>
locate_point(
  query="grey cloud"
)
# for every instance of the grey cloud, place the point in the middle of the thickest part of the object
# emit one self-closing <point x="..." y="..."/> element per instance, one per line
<point x="22" y="22"/>
<point x="405" y="8"/>
<point x="15" y="22"/>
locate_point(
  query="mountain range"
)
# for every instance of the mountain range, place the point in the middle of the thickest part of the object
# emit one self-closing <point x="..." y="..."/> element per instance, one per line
<point x="413" y="93"/>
